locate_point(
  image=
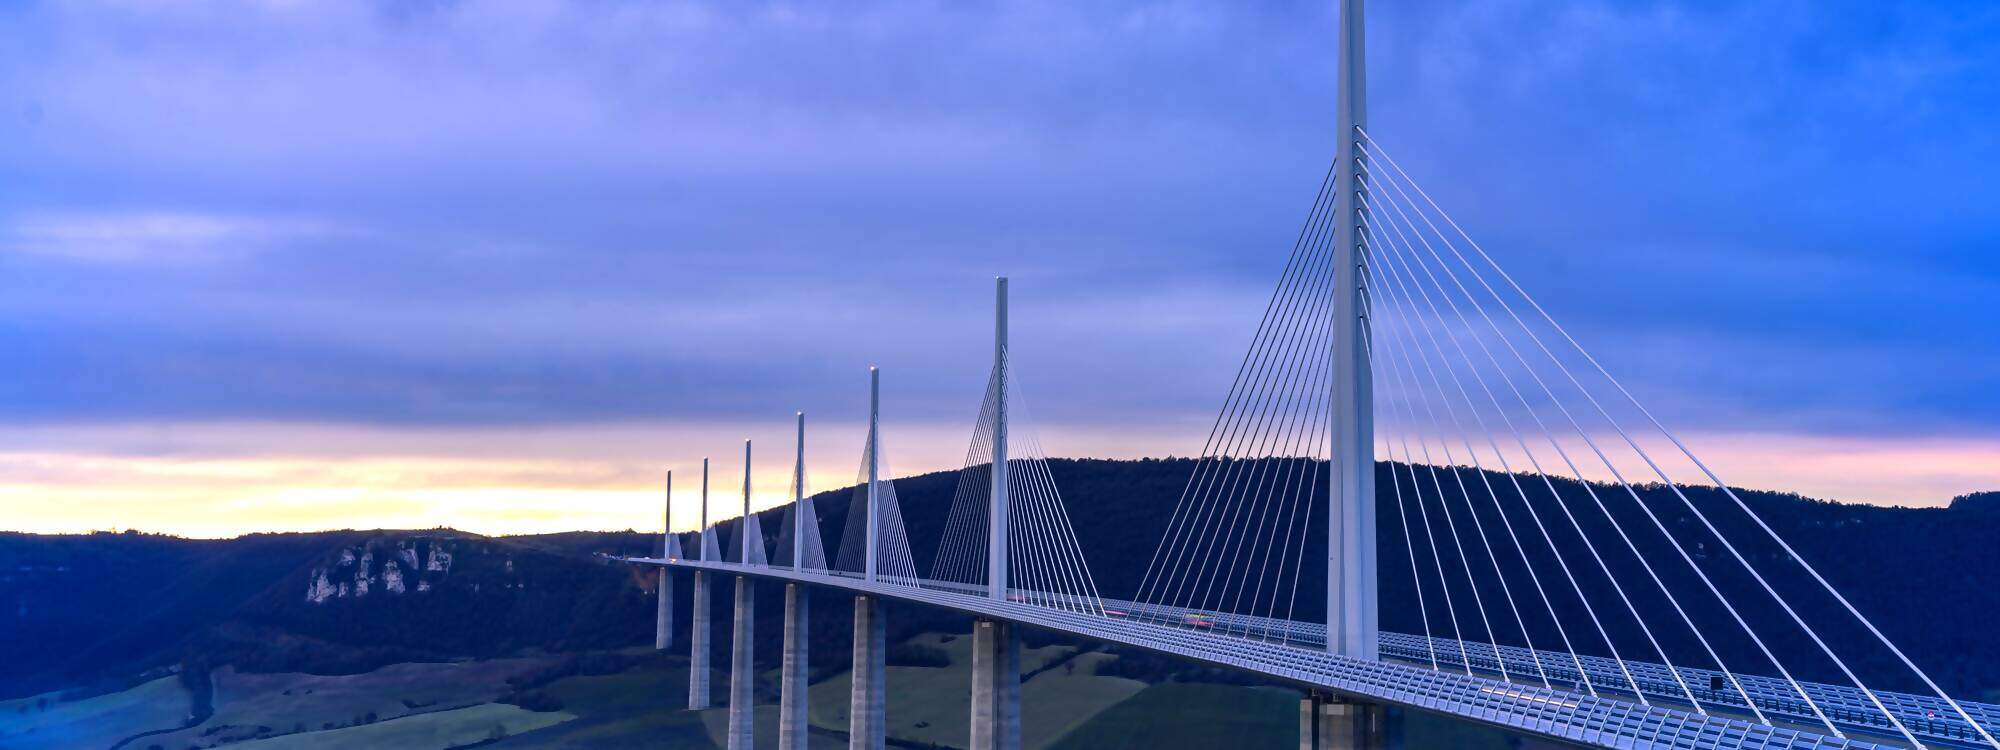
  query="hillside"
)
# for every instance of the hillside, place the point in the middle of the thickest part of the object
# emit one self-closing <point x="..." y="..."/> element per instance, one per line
<point x="89" y="612"/>
<point x="102" y="609"/>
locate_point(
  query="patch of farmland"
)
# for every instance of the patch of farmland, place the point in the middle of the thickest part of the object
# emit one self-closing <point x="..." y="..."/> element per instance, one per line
<point x="43" y="721"/>
<point x="431" y="731"/>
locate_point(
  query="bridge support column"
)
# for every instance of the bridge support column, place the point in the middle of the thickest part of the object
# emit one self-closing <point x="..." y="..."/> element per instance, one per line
<point x="663" y="620"/>
<point x="792" y="682"/>
<point x="698" y="646"/>
<point x="865" y="717"/>
<point x="996" y="686"/>
<point x="1331" y="724"/>
<point x="742" y="669"/>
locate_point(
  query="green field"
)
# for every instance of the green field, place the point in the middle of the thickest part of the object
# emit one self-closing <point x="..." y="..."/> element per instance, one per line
<point x="253" y="706"/>
<point x="635" y="708"/>
<point x="43" y="721"/>
<point x="1191" y="715"/>
<point x="716" y="722"/>
<point x="1196" y="715"/>
<point x="440" y="729"/>
<point x="1059" y="700"/>
<point x="932" y="704"/>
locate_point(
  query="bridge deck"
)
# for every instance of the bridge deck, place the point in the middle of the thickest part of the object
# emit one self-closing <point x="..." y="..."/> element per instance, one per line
<point x="1928" y="717"/>
<point x="1558" y="714"/>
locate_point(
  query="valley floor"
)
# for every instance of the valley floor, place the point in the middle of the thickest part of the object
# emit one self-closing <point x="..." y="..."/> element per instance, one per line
<point x="637" y="699"/>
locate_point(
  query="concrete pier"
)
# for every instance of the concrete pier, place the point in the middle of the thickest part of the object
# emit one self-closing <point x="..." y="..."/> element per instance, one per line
<point x="996" y="686"/>
<point x="792" y="678"/>
<point x="865" y="716"/>
<point x="663" y="621"/>
<point x="743" y="669"/>
<point x="698" y="646"/>
<point x="1327" y="723"/>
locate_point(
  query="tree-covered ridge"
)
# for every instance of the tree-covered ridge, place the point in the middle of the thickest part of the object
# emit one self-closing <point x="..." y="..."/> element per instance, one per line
<point x="100" y="608"/>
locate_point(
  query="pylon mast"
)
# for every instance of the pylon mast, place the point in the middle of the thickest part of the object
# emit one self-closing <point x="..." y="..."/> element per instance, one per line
<point x="874" y="469"/>
<point x="799" y="500"/>
<point x="1351" y="581"/>
<point x="996" y="522"/>
<point x="701" y="539"/>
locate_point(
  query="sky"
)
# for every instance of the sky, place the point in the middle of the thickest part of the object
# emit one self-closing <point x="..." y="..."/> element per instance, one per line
<point x="290" y="265"/>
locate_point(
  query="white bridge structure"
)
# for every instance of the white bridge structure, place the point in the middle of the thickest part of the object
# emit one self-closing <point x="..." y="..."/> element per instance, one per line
<point x="1579" y="574"/>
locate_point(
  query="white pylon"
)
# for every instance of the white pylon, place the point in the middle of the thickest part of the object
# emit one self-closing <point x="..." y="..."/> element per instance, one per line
<point x="744" y="551"/>
<point x="996" y="522"/>
<point x="874" y="470"/>
<point x="1351" y="620"/>
<point x="799" y="500"/>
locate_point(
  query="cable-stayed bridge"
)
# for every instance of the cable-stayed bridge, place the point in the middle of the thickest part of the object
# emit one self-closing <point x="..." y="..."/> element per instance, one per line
<point x="1577" y="572"/>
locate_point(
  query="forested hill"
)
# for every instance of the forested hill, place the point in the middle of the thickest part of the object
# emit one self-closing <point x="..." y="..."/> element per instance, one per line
<point x="92" y="608"/>
<point x="92" y="612"/>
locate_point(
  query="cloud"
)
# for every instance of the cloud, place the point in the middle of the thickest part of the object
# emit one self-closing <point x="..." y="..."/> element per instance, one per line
<point x="154" y="238"/>
<point x="1771" y="216"/>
